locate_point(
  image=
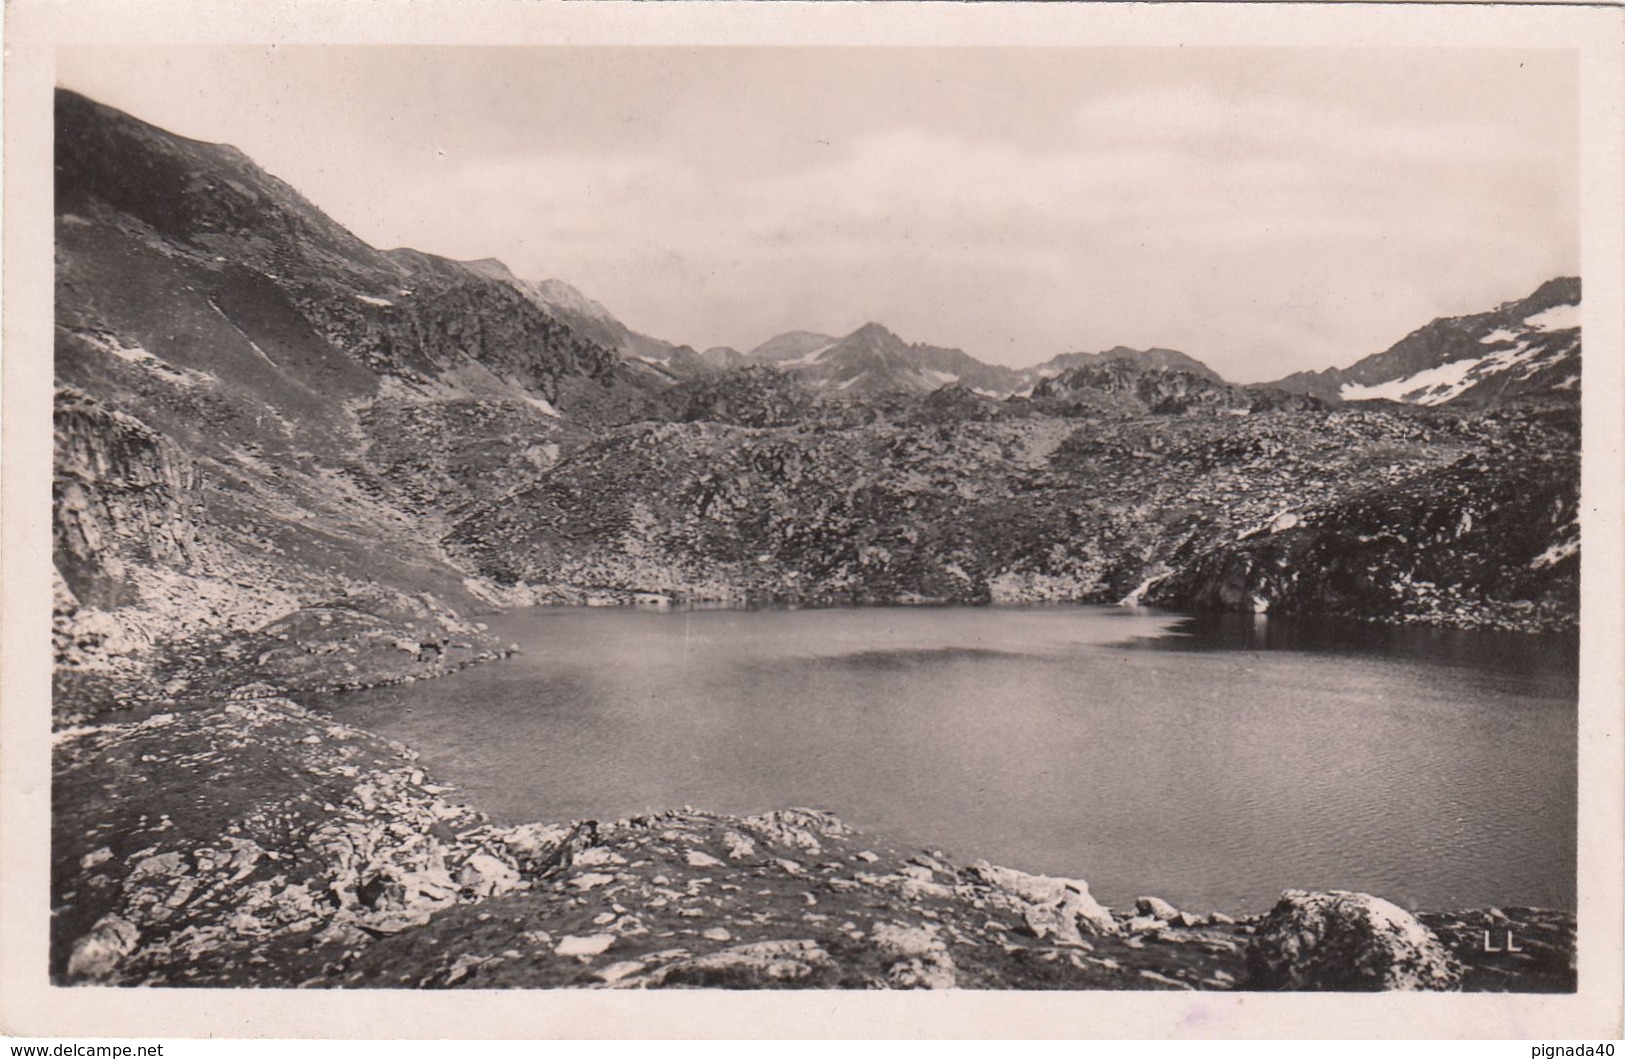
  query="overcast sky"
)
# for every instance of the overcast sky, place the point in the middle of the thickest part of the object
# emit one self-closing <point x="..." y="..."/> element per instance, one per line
<point x="1265" y="210"/>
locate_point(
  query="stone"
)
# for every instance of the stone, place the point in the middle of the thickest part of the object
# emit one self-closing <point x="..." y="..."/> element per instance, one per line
<point x="162" y="865"/>
<point x="918" y="958"/>
<point x="103" y="948"/>
<point x="486" y="876"/>
<point x="1157" y="908"/>
<point x="717" y="934"/>
<point x="914" y="889"/>
<point x="588" y="945"/>
<point x="95" y="857"/>
<point x="1072" y="894"/>
<point x="1337" y="940"/>
<point x="697" y="859"/>
<point x="1046" y="921"/>
<point x="617" y="971"/>
<point x="395" y="922"/>
<point x="598" y="856"/>
<point x="738" y="846"/>
<point x="590" y="880"/>
<point x="535" y="845"/>
<point x="798" y="828"/>
<point x="747" y="966"/>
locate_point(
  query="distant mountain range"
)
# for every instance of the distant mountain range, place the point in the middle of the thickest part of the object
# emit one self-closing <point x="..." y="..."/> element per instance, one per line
<point x="1526" y="346"/>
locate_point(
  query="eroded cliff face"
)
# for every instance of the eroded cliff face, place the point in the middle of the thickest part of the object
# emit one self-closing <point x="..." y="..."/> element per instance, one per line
<point x="1470" y="544"/>
<point x="122" y="493"/>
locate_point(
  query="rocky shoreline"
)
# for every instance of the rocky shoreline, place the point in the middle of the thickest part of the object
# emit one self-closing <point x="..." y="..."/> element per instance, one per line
<point x="240" y="838"/>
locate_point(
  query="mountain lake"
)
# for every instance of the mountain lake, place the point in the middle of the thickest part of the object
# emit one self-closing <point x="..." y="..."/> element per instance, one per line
<point x="1212" y="761"/>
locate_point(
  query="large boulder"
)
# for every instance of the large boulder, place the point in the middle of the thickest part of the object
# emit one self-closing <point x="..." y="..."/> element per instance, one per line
<point x="1336" y="940"/>
<point x="916" y="957"/>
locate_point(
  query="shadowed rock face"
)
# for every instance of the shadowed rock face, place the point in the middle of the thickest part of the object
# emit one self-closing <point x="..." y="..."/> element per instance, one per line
<point x="121" y="489"/>
<point x="1346" y="941"/>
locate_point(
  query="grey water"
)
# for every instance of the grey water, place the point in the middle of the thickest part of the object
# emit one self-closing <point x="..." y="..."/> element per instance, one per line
<point x="1212" y="762"/>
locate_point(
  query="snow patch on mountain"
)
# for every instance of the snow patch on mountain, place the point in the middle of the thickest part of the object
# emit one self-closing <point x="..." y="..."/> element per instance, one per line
<point x="1557" y="318"/>
<point x="1447" y="381"/>
<point x="808" y="358"/>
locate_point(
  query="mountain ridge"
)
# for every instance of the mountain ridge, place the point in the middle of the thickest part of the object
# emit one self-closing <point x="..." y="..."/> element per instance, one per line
<point x="1505" y="351"/>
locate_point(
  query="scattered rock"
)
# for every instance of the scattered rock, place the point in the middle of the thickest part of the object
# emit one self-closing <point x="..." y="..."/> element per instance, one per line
<point x="1071" y="894"/>
<point x="617" y="971"/>
<point x="1336" y="940"/>
<point x="485" y="876"/>
<point x="98" y="953"/>
<point x="591" y="880"/>
<point x="588" y="945"/>
<point x="918" y="957"/>
<point x="95" y="857"/>
<point x="759" y="964"/>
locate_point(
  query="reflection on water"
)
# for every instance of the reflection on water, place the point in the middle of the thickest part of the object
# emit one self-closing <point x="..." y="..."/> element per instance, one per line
<point x="1214" y="762"/>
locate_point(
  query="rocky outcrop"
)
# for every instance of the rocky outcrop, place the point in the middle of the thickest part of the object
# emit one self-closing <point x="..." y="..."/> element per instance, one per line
<point x="122" y="492"/>
<point x="1121" y="387"/>
<point x="1337" y="940"/>
<point x="1485" y="542"/>
<point x="1048" y="906"/>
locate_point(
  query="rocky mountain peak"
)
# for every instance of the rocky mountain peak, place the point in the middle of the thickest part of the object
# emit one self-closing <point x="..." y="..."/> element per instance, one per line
<point x="1527" y="347"/>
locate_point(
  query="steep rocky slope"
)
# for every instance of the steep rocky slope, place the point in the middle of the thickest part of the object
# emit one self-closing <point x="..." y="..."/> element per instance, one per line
<point x="1527" y="347"/>
<point x="789" y="346"/>
<point x="252" y="401"/>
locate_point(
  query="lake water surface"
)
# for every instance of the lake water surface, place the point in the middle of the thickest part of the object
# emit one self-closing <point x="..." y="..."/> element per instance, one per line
<point x="1213" y="762"/>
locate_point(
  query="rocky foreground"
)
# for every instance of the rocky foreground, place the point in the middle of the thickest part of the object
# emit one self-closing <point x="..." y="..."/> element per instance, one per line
<point x="247" y="840"/>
